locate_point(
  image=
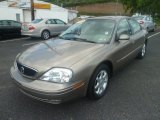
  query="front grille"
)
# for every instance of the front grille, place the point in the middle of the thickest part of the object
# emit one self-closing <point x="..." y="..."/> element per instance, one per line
<point x="26" y="70"/>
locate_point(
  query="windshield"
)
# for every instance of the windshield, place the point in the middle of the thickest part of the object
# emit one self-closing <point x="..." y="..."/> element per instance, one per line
<point x="36" y="21"/>
<point x="92" y="30"/>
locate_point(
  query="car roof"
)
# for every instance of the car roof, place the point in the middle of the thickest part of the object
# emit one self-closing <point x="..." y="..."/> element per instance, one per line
<point x="116" y="18"/>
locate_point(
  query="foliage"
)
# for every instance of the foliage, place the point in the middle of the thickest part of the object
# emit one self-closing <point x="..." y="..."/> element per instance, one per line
<point x="68" y="3"/>
<point x="151" y="7"/>
<point x="142" y="6"/>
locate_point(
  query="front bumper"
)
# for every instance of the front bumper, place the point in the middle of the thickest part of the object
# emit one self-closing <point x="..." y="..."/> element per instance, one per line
<point x="45" y="91"/>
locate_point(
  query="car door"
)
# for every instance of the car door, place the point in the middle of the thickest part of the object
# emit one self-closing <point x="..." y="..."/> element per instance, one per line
<point x="10" y="27"/>
<point x="16" y="27"/>
<point x="137" y="36"/>
<point x="123" y="48"/>
<point x="6" y="29"/>
<point x="52" y="26"/>
<point x="1" y="29"/>
<point x="62" y="26"/>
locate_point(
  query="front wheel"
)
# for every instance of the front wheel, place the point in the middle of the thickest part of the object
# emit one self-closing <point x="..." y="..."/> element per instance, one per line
<point x="142" y="53"/>
<point x="45" y="35"/>
<point x="99" y="82"/>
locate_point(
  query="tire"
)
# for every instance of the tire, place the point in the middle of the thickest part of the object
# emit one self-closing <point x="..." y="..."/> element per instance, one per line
<point x="153" y="29"/>
<point x="97" y="86"/>
<point x="142" y="53"/>
<point x="147" y="29"/>
<point x="45" y="35"/>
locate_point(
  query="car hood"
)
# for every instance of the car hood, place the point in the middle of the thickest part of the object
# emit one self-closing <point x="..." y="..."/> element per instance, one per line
<point x="56" y="53"/>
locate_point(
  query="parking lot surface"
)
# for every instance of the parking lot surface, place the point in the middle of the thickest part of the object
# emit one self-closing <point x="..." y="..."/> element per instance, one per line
<point x="133" y="93"/>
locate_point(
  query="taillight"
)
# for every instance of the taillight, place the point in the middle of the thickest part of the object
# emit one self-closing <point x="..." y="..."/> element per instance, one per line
<point x="31" y="27"/>
<point x="141" y="22"/>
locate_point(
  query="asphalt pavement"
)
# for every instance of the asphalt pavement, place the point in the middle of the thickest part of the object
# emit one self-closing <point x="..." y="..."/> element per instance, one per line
<point x="133" y="93"/>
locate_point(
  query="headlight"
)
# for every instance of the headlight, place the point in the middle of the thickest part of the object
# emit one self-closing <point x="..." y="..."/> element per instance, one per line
<point x="57" y="75"/>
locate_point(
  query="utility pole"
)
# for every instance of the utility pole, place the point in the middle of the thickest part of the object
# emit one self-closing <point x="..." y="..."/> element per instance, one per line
<point x="32" y="10"/>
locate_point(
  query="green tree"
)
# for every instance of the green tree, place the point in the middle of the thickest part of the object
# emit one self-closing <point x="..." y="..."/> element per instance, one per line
<point x="142" y="6"/>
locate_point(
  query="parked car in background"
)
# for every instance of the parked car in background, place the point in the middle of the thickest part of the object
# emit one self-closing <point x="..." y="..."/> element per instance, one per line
<point x="9" y="28"/>
<point x="81" y="61"/>
<point x="44" y="28"/>
<point x="146" y="22"/>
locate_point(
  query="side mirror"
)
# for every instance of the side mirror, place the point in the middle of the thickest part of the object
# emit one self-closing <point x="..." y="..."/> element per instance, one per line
<point x="124" y="37"/>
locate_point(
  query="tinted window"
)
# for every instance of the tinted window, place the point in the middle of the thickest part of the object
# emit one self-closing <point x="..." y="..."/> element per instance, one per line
<point x="16" y="24"/>
<point x="4" y="23"/>
<point x="123" y="28"/>
<point x="37" y="21"/>
<point x="59" y="21"/>
<point x="134" y="25"/>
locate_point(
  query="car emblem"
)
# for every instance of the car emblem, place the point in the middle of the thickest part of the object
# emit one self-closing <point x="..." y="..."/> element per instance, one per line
<point x="22" y="69"/>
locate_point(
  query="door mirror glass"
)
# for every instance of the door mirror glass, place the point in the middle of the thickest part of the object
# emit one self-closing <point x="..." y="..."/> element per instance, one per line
<point x="124" y="37"/>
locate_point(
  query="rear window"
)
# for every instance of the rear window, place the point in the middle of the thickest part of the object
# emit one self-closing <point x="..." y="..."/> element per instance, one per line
<point x="138" y="18"/>
<point x="37" y="21"/>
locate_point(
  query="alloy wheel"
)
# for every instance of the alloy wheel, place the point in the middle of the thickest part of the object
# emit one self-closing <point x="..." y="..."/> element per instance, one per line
<point x="46" y="35"/>
<point x="101" y="82"/>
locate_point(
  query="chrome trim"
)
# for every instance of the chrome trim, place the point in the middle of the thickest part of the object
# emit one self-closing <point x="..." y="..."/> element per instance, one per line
<point x="128" y="54"/>
<point x="26" y="67"/>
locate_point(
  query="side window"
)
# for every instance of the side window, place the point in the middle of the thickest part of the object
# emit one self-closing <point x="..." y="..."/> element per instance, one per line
<point x="0" y="23"/>
<point x="9" y="23"/>
<point x="134" y="25"/>
<point x="147" y="18"/>
<point x="15" y="24"/>
<point x="4" y="23"/>
<point x="123" y="28"/>
<point x="60" y="22"/>
<point x="151" y="19"/>
<point x="50" y="21"/>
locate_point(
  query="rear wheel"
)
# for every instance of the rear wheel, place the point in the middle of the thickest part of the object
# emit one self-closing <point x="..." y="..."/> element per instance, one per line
<point x="153" y="29"/>
<point x="99" y="82"/>
<point x="142" y="52"/>
<point x="45" y="34"/>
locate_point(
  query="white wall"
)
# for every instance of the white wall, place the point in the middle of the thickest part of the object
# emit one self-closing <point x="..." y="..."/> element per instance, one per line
<point x="54" y="12"/>
<point x="7" y="13"/>
<point x="72" y="15"/>
<point x="62" y="15"/>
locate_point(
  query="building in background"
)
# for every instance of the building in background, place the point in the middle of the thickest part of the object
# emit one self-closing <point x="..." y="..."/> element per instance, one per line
<point x="19" y="10"/>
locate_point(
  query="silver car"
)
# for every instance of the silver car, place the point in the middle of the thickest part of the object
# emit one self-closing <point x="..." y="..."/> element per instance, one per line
<point x="146" y="22"/>
<point x="44" y="28"/>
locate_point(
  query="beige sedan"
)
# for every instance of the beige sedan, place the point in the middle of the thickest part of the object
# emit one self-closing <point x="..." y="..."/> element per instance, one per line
<point x="44" y="28"/>
<point x="81" y="61"/>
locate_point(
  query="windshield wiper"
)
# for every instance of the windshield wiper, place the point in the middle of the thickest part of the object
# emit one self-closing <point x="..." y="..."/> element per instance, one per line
<point x="61" y="37"/>
<point x="76" y="38"/>
<point x="83" y="39"/>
